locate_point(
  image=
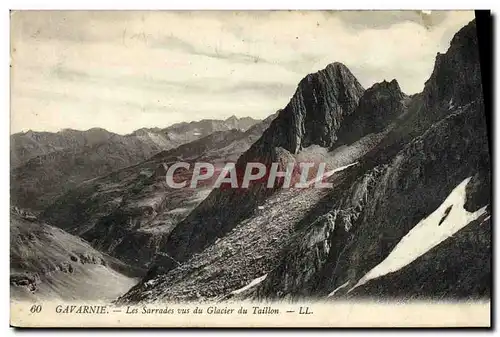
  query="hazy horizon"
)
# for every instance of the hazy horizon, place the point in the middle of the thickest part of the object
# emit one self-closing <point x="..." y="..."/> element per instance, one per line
<point x="127" y="70"/>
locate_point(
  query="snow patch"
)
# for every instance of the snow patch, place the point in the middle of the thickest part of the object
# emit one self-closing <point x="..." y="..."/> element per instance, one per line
<point x="253" y="283"/>
<point x="201" y="195"/>
<point x="450" y="104"/>
<point x="328" y="174"/>
<point x="154" y="137"/>
<point x="485" y="219"/>
<point x="427" y="234"/>
<point x="312" y="151"/>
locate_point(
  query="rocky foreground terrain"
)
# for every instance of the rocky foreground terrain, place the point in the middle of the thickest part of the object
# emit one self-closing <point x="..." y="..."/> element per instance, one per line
<point x="48" y="263"/>
<point x="408" y="215"/>
<point x="45" y="165"/>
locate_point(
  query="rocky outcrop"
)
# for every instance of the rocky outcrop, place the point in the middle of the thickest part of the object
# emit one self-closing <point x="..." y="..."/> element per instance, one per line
<point x="410" y="218"/>
<point x="456" y="78"/>
<point x="47" y="262"/>
<point x="380" y="106"/>
<point x="454" y="82"/>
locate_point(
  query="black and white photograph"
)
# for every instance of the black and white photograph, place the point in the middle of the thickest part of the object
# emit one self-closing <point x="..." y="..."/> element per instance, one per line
<point x="270" y="168"/>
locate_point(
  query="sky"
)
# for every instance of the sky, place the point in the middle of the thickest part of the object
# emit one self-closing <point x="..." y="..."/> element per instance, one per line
<point x="124" y="70"/>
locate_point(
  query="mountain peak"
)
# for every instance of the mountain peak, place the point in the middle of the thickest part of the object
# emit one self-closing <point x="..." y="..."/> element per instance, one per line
<point x="394" y="82"/>
<point x="316" y="110"/>
<point x="335" y="70"/>
<point x="468" y="33"/>
<point x="391" y="87"/>
<point x="337" y="66"/>
<point x="67" y="130"/>
<point x="457" y="73"/>
<point x="233" y="118"/>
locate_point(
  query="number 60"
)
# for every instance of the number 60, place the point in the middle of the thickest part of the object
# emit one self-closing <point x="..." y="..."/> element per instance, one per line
<point x="35" y="309"/>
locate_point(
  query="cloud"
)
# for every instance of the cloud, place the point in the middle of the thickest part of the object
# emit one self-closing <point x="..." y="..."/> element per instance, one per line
<point x="123" y="70"/>
<point x="162" y="85"/>
<point x="385" y="19"/>
<point x="172" y="43"/>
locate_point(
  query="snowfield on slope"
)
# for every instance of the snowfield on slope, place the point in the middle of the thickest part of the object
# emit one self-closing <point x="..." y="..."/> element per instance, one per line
<point x="328" y="174"/>
<point x="444" y="222"/>
<point x="338" y="288"/>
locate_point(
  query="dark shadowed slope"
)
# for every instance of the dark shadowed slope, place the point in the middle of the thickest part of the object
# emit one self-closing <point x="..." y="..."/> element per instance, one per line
<point x="128" y="212"/>
<point x="370" y="218"/>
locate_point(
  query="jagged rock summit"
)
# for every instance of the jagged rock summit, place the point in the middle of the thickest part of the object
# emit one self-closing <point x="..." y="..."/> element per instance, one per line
<point x="379" y="106"/>
<point x="317" y="108"/>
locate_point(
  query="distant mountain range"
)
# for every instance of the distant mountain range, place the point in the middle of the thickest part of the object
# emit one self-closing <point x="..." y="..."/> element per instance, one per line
<point x="45" y="165"/>
<point x="27" y="145"/>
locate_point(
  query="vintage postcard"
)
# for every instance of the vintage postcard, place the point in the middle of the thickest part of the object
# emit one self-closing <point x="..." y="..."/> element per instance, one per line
<point x="249" y="169"/>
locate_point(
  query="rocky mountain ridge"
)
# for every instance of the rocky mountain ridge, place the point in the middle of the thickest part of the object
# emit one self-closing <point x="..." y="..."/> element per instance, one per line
<point x="421" y="188"/>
